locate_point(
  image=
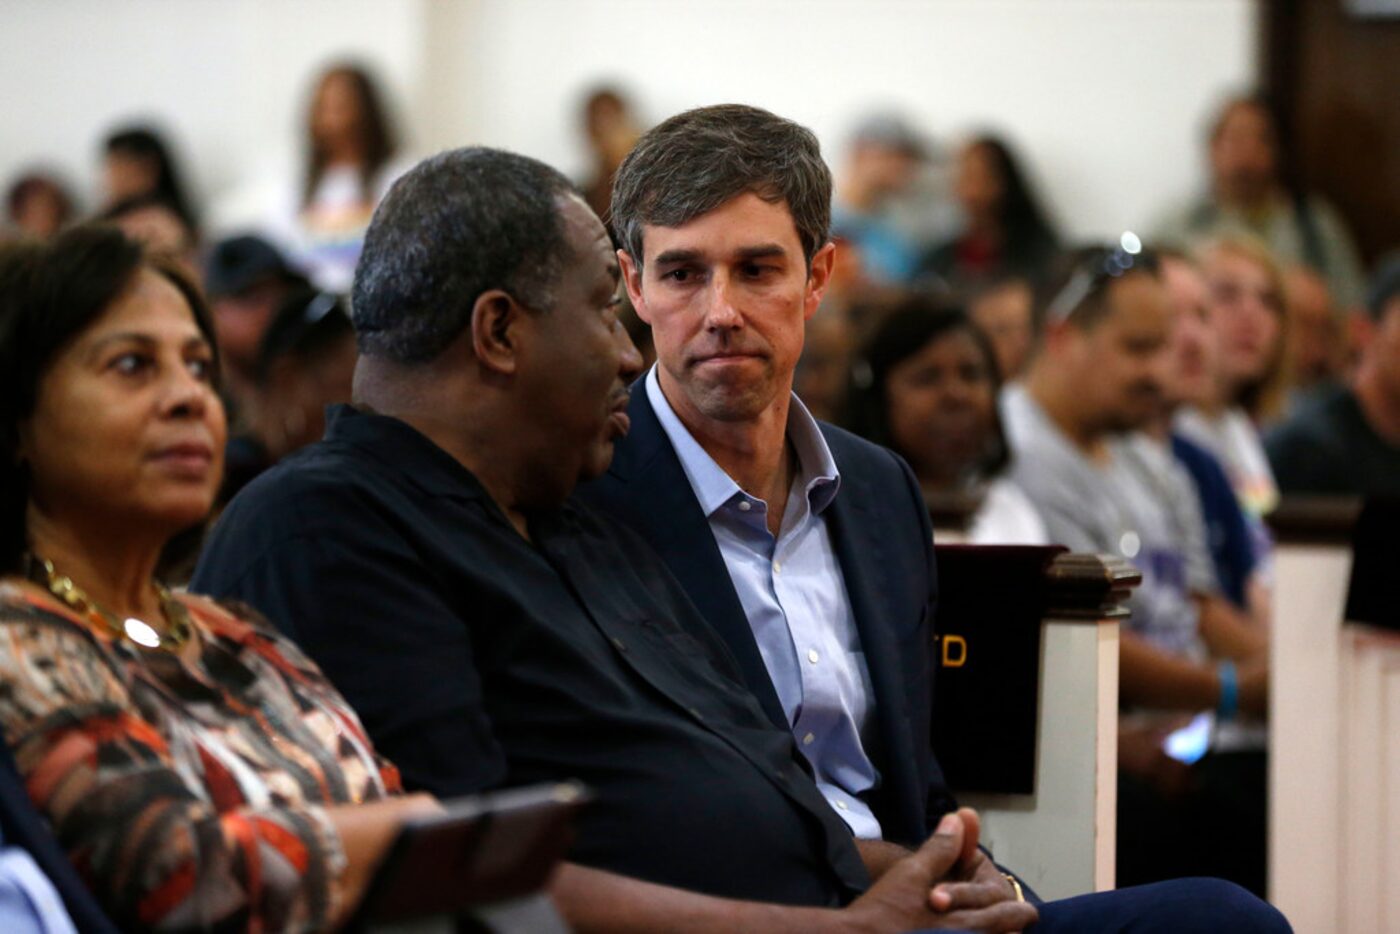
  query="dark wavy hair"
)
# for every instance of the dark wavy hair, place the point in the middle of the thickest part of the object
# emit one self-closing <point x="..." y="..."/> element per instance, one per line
<point x="145" y="143"/>
<point x="909" y="327"/>
<point x="1020" y="213"/>
<point x="49" y="294"/>
<point x="376" y="136"/>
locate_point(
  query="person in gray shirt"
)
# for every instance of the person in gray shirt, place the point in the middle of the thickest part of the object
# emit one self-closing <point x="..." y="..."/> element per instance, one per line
<point x="1096" y="379"/>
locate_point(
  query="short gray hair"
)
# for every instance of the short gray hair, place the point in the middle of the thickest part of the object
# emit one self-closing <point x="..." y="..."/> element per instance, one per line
<point x="457" y="225"/>
<point x="696" y="161"/>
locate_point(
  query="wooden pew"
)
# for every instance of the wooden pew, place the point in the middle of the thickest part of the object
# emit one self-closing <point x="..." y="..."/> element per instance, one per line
<point x="1026" y="705"/>
<point x="1334" y="731"/>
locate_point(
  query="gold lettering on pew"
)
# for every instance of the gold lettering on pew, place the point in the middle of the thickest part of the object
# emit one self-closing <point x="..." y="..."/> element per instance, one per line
<point x="951" y="658"/>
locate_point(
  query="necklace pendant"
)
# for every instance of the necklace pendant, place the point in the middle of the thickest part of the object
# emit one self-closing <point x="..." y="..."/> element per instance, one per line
<point x="177" y="618"/>
<point x="141" y="632"/>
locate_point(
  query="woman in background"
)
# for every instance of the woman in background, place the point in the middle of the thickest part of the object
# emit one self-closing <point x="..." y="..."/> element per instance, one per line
<point x="930" y="393"/>
<point x="1005" y="232"/>
<point x="197" y="768"/>
<point x="350" y="149"/>
<point x="1245" y="310"/>
<point x="137" y="165"/>
<point x="37" y="205"/>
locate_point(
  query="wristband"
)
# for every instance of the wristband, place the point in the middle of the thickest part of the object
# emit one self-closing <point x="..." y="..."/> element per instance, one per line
<point x="1229" y="691"/>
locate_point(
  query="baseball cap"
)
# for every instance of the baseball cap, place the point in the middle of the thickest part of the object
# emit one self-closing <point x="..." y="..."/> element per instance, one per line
<point x="239" y="262"/>
<point x="890" y="131"/>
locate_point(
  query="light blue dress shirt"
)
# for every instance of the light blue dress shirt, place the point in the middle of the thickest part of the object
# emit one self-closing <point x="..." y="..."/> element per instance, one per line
<point x="29" y="904"/>
<point x="794" y="595"/>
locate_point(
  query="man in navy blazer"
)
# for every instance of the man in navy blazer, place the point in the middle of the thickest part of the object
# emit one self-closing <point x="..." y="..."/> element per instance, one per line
<point x="806" y="548"/>
<point x="882" y="539"/>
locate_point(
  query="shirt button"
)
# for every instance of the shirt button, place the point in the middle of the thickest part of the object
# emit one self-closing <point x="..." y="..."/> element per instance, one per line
<point x="808" y="739"/>
<point x="619" y="644"/>
<point x="745" y="505"/>
<point x="813" y="657"/>
<point x="777" y="567"/>
<point x="842" y="805"/>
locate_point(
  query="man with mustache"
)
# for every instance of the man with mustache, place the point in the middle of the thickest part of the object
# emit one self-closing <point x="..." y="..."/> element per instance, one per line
<point x="807" y="549"/>
<point x="1097" y="379"/>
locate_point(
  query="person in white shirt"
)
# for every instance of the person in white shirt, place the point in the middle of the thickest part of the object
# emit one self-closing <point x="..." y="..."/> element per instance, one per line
<point x="1245" y="310"/>
<point x="350" y="164"/>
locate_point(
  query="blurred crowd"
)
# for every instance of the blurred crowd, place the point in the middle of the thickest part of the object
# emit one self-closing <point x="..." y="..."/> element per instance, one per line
<point x="937" y="302"/>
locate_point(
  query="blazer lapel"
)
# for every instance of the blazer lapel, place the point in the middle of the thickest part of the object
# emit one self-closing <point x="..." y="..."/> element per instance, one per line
<point x="673" y="522"/>
<point x="859" y="546"/>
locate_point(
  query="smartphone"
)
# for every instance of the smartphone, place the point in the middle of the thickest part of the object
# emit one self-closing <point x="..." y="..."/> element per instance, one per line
<point x="1190" y="743"/>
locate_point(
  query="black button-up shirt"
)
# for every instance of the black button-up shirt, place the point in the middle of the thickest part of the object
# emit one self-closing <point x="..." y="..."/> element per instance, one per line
<point x="477" y="659"/>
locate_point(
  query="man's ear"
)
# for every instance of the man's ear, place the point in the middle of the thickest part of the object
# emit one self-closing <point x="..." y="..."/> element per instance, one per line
<point x="818" y="278"/>
<point x="632" y="279"/>
<point x="495" y="328"/>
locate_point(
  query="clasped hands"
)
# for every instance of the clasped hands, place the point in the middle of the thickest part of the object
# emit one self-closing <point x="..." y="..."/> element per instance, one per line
<point x="948" y="883"/>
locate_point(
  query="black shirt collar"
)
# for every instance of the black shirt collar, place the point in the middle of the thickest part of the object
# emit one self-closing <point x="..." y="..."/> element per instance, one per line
<point x="404" y="449"/>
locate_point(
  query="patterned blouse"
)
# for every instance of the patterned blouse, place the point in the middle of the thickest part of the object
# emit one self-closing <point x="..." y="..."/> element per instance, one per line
<point x="189" y="795"/>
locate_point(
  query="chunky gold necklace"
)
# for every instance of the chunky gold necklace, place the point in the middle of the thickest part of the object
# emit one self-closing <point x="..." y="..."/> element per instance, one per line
<point x="177" y="617"/>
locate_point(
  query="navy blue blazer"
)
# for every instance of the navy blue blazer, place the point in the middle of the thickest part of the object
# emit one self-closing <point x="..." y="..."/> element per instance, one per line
<point x="883" y="539"/>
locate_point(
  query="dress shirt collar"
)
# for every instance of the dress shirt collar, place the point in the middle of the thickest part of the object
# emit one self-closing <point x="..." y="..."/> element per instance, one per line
<point x="817" y="473"/>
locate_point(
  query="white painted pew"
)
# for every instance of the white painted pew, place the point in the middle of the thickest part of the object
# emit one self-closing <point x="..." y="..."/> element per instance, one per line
<point x="1334" y="734"/>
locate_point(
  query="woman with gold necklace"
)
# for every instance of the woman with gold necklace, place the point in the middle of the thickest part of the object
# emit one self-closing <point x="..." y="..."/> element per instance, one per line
<point x="197" y="768"/>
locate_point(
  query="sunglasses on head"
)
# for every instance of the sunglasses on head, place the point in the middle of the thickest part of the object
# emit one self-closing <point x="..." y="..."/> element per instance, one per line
<point x="1095" y="269"/>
